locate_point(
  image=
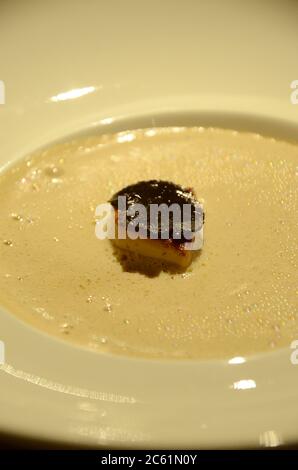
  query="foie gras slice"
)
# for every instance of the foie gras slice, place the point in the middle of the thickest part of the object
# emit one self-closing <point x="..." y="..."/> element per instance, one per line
<point x="160" y="220"/>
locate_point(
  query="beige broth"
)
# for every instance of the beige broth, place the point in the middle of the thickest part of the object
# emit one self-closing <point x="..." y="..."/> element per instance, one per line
<point x="238" y="297"/>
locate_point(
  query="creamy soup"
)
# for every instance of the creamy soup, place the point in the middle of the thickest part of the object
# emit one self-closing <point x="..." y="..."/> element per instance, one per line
<point x="238" y="297"/>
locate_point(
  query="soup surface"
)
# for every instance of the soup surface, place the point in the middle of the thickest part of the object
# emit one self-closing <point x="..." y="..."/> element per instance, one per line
<point x="238" y="297"/>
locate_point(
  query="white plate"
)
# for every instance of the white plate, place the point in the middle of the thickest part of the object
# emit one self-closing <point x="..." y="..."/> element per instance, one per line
<point x="122" y="60"/>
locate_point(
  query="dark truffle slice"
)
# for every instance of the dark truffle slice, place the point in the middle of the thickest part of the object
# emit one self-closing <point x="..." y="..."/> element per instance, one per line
<point x="162" y="192"/>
